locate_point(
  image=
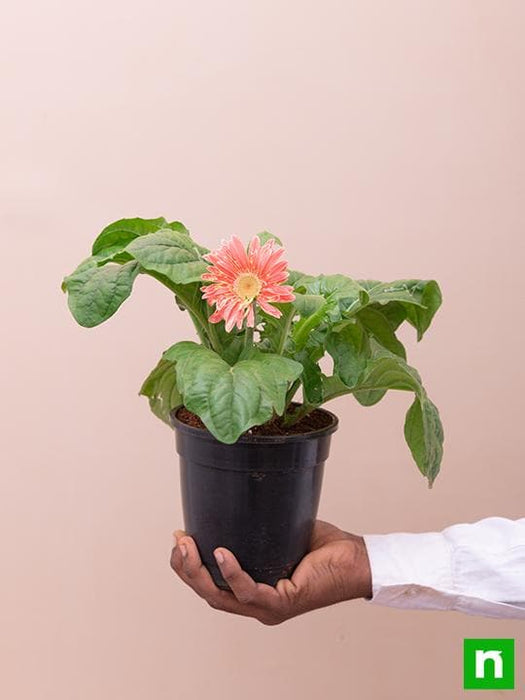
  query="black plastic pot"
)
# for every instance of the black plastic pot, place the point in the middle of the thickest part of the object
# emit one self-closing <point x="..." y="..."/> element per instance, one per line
<point x="257" y="497"/>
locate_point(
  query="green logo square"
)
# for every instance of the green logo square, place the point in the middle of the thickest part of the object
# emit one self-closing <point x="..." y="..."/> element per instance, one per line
<point x="488" y="664"/>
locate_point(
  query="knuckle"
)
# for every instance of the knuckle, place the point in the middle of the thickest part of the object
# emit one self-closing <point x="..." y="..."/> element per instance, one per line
<point x="214" y="603"/>
<point x="244" y="598"/>
<point x="230" y="576"/>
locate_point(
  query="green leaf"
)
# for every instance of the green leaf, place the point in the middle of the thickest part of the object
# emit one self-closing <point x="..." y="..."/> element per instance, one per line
<point x="323" y="300"/>
<point x="311" y="379"/>
<point x="266" y="236"/>
<point x="95" y="293"/>
<point x="369" y="284"/>
<point x="380" y="328"/>
<point x="308" y="304"/>
<point x="113" y="255"/>
<point x="187" y="296"/>
<point x="369" y="397"/>
<point x="117" y="235"/>
<point x="345" y="293"/>
<point x="294" y="276"/>
<point x="231" y="343"/>
<point x="333" y="387"/>
<point x="305" y="326"/>
<point x="391" y="372"/>
<point x="349" y="347"/>
<point x="394" y="312"/>
<point x="161" y="389"/>
<point x="275" y="333"/>
<point x="420" y="299"/>
<point x="423" y="429"/>
<point x="400" y="290"/>
<point x="170" y="253"/>
<point x="424" y="436"/>
<point x="231" y="399"/>
<point x="431" y="299"/>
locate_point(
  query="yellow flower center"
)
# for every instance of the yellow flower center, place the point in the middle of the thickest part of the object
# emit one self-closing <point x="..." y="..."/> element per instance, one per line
<point x="247" y="286"/>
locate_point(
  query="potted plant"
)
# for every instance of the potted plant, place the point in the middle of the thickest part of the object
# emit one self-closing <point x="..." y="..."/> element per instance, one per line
<point x="245" y="401"/>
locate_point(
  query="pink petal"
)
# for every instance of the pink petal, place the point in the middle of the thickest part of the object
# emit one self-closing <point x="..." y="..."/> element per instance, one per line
<point x="238" y="252"/>
<point x="254" y="247"/>
<point x="281" y="293"/>
<point x="271" y="310"/>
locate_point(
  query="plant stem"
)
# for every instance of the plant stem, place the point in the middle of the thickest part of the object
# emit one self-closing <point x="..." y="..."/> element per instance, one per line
<point x="291" y="392"/>
<point x="248" y="338"/>
<point x="285" y="330"/>
<point x="204" y="328"/>
<point x="300" y="412"/>
<point x="248" y="331"/>
<point x="214" y="338"/>
<point x="199" y="327"/>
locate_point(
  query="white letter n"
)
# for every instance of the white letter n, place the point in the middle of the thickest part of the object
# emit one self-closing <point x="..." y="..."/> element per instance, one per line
<point x="482" y="656"/>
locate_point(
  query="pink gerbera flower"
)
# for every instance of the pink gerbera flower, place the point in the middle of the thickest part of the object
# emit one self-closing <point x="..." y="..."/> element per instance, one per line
<point x="240" y="279"/>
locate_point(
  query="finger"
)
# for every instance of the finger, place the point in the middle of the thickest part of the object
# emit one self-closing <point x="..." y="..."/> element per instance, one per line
<point x="191" y="570"/>
<point x="176" y="558"/>
<point x="227" y="602"/>
<point x="186" y="562"/>
<point x="244" y="588"/>
<point x="179" y="555"/>
<point x="197" y="576"/>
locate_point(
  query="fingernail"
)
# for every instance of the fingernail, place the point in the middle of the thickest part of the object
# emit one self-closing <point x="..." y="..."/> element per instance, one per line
<point x="183" y="551"/>
<point x="219" y="556"/>
<point x="174" y="540"/>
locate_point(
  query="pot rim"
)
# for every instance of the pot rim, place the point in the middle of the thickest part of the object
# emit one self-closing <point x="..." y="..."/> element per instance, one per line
<point x="205" y="434"/>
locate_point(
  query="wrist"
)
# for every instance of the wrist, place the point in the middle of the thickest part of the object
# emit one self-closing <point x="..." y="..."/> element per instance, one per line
<point x="358" y="573"/>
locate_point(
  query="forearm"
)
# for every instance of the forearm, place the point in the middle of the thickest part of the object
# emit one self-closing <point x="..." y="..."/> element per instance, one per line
<point x="475" y="568"/>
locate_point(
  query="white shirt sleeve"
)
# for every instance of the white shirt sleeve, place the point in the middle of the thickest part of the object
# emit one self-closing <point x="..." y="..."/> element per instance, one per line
<point x="476" y="568"/>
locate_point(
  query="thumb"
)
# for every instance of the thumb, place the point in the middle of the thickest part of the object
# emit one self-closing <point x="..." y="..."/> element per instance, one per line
<point x="322" y="533"/>
<point x="177" y="534"/>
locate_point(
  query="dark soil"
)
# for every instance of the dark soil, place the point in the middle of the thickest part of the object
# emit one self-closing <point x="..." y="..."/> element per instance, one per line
<point x="316" y="420"/>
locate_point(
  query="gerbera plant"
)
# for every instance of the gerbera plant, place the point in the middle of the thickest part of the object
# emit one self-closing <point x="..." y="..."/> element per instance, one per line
<point x="263" y="331"/>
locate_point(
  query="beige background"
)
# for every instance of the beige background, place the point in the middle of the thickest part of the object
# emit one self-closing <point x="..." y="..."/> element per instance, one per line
<point x="378" y="139"/>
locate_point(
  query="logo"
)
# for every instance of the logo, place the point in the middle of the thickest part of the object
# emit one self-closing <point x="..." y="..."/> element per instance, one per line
<point x="488" y="664"/>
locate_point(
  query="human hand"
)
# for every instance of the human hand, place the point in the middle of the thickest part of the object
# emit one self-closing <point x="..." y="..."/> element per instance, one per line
<point x="335" y="569"/>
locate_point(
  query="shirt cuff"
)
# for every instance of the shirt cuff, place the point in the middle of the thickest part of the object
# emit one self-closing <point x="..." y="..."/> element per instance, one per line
<point x="411" y="570"/>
